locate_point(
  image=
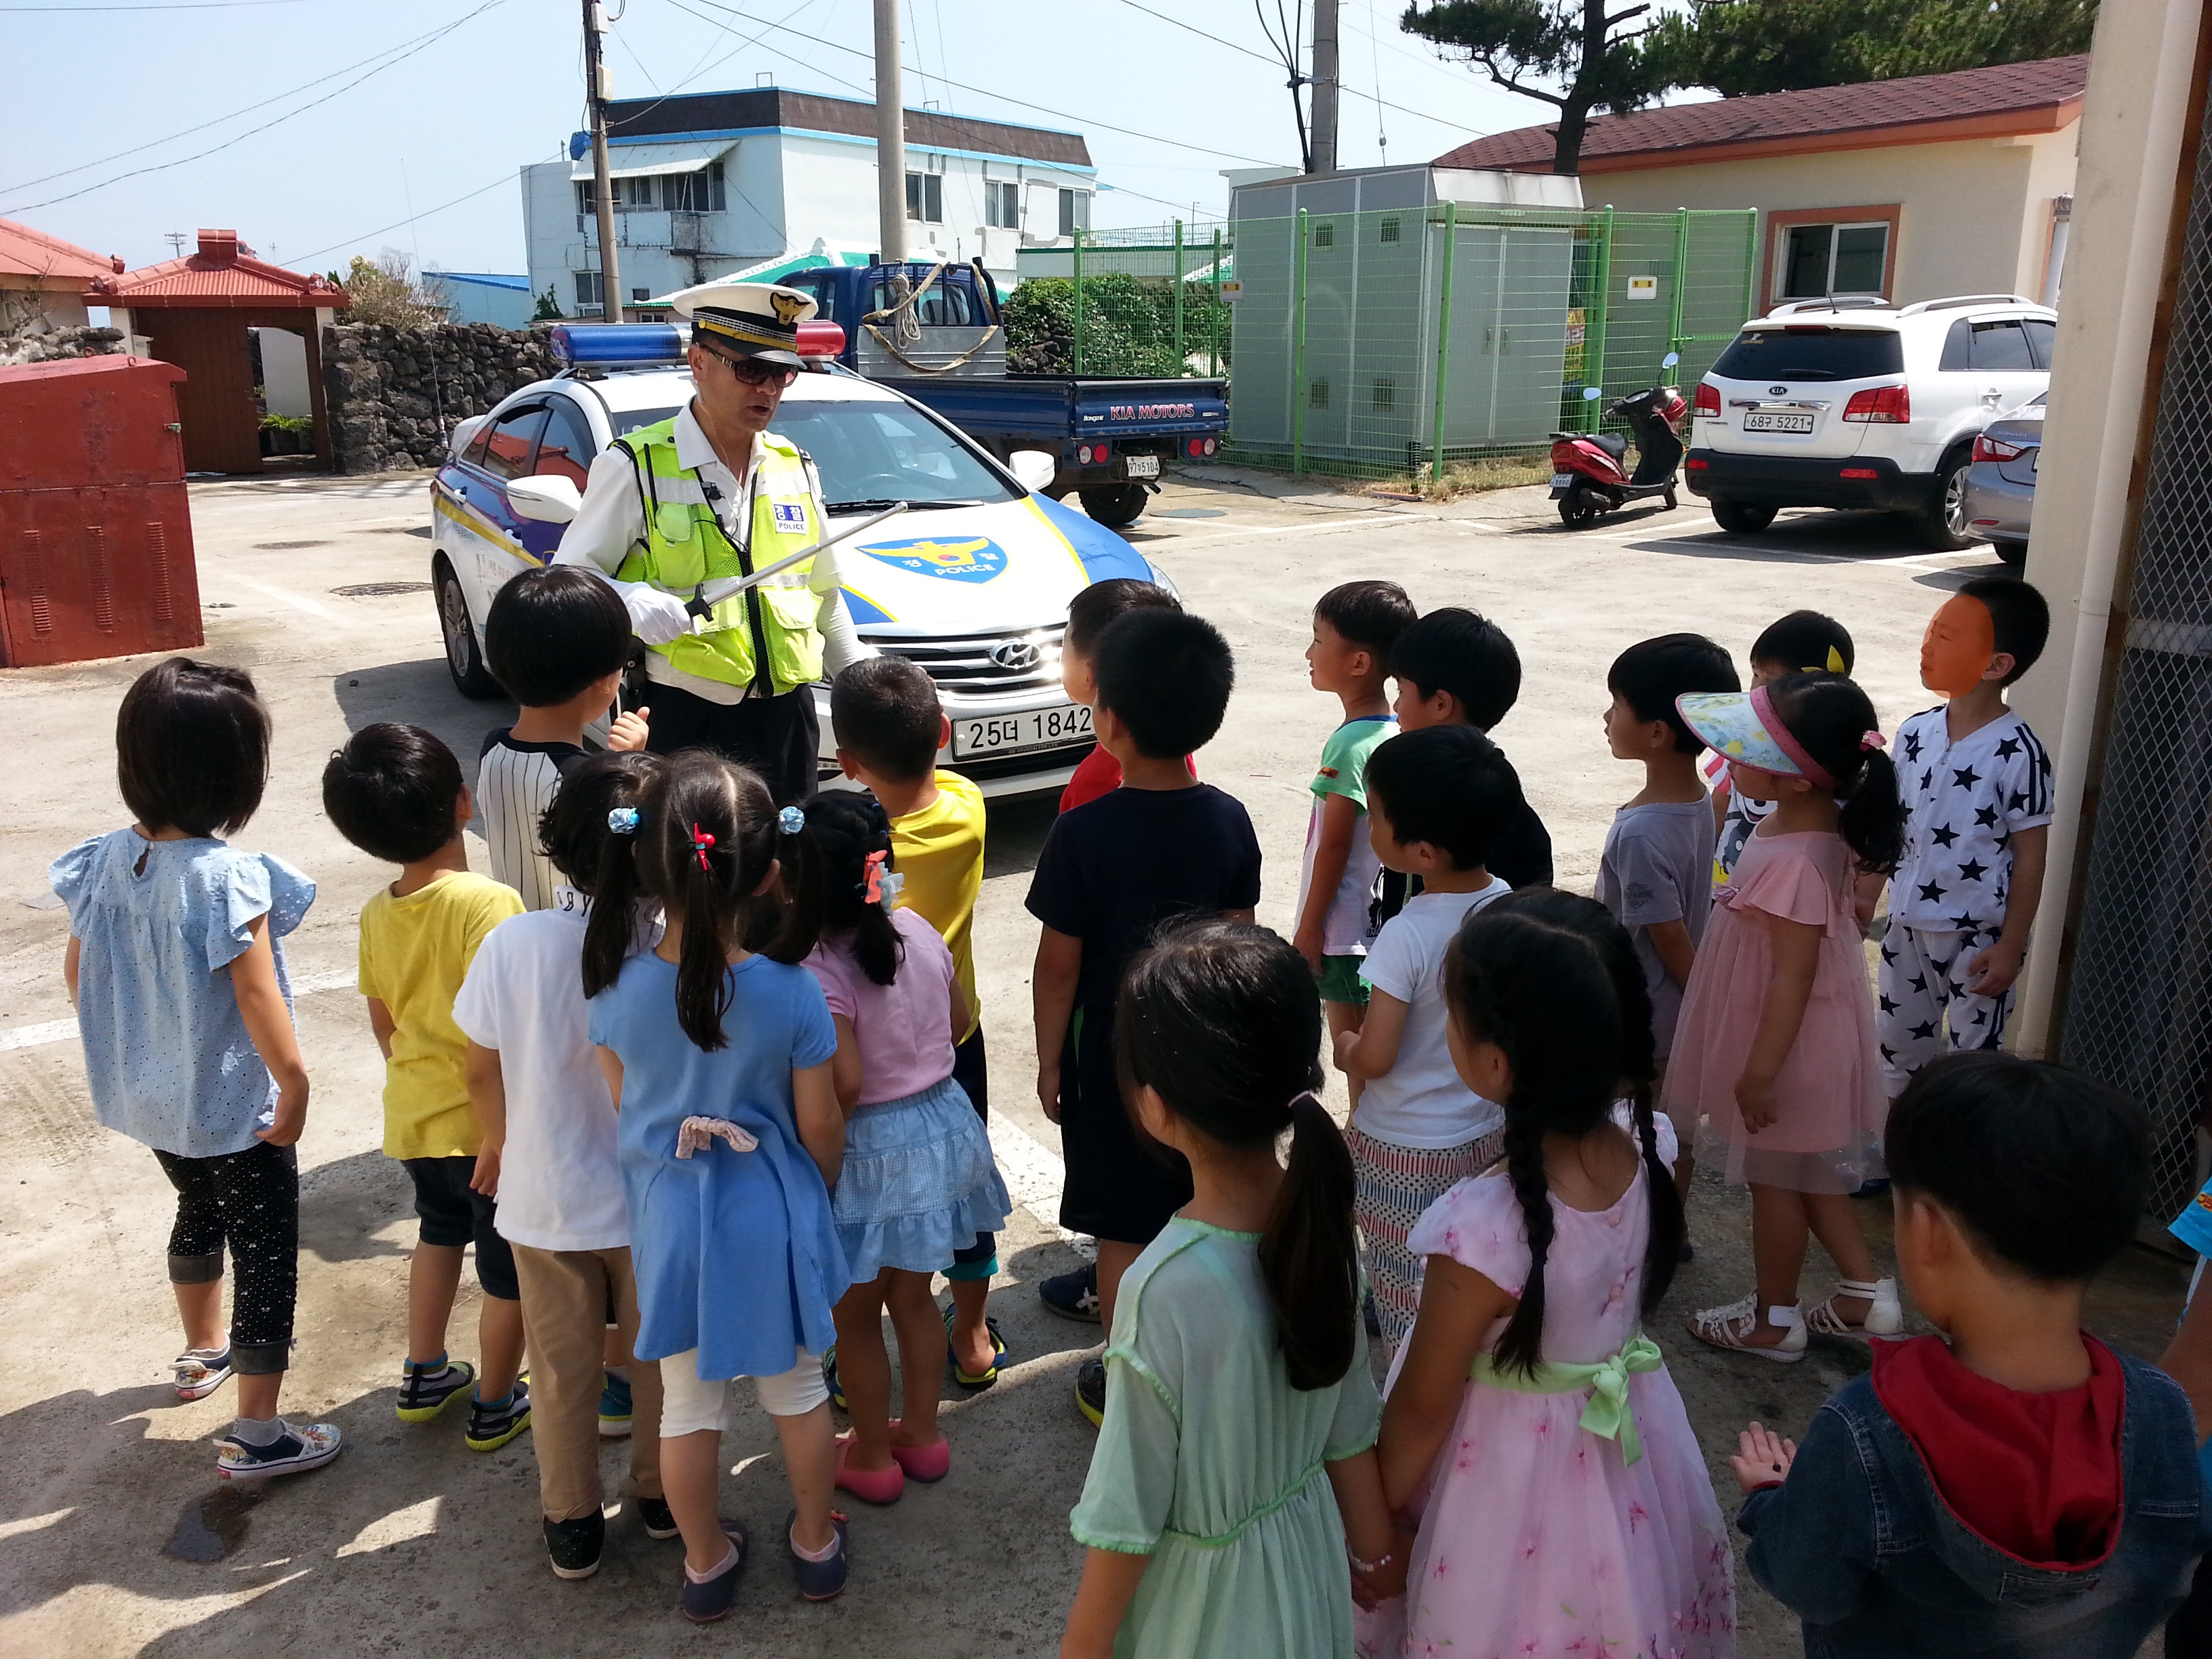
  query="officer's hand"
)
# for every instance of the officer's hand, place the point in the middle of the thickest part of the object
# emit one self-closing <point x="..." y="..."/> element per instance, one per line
<point x="656" y="617"/>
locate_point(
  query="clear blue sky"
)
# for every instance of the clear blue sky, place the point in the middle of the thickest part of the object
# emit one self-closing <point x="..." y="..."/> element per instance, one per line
<point x="503" y="88"/>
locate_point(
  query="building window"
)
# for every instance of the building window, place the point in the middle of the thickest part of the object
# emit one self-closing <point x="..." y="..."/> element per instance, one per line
<point x="1324" y="234"/>
<point x="1385" y="392"/>
<point x="925" y="197"/>
<point x="1002" y="205"/>
<point x="641" y="294"/>
<point x="704" y="191"/>
<point x="1317" y="394"/>
<point x="1074" y="211"/>
<point x="1387" y="232"/>
<point x="591" y="297"/>
<point x="1819" y="260"/>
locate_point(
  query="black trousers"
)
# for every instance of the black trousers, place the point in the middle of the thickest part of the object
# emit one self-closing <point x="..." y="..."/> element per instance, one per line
<point x="972" y="1074"/>
<point x="776" y="737"/>
<point x="249" y="1201"/>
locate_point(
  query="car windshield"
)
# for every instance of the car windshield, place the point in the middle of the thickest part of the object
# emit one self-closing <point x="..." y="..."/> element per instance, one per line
<point x="874" y="454"/>
<point x="627" y="420"/>
<point x="1800" y="353"/>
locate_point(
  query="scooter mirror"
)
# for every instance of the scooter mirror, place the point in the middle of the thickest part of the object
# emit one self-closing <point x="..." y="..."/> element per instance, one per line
<point x="1670" y="360"/>
<point x="1591" y="394"/>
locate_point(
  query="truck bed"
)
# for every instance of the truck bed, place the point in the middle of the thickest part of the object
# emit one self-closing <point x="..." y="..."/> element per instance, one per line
<point x="1058" y="408"/>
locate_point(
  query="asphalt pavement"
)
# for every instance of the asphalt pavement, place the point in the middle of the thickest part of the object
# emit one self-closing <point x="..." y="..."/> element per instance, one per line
<point x="411" y="1543"/>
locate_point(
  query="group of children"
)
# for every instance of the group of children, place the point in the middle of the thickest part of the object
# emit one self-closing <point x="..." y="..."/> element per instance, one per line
<point x="701" y="1079"/>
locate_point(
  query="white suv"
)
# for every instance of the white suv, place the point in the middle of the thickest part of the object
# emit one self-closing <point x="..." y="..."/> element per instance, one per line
<point x="1857" y="403"/>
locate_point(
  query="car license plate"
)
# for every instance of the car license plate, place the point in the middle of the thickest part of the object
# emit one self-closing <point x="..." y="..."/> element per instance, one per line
<point x="1561" y="480"/>
<point x="1006" y="734"/>
<point x="1142" y="466"/>
<point x="1756" y="423"/>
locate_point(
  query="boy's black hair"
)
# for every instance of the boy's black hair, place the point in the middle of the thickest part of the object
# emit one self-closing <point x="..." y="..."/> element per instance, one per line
<point x="2046" y="1170"/>
<point x="1370" y="615"/>
<point x="1803" y="641"/>
<point x="392" y="791"/>
<point x="1090" y="611"/>
<point x="191" y="747"/>
<point x="1456" y="650"/>
<point x="1166" y="674"/>
<point x="1446" y="785"/>
<point x="886" y="711"/>
<point x="1651" y="673"/>
<point x="2018" y="617"/>
<point x="552" y="632"/>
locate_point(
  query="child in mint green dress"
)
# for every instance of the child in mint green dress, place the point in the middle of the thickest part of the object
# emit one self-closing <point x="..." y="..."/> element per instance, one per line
<point x="1234" y="1500"/>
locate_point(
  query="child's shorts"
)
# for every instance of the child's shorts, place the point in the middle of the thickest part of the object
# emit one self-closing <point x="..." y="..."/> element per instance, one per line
<point x="1341" y="981"/>
<point x="691" y="1403"/>
<point x="453" y="1215"/>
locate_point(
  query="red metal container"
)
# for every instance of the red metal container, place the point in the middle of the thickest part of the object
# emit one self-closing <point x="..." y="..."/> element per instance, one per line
<point x="95" y="532"/>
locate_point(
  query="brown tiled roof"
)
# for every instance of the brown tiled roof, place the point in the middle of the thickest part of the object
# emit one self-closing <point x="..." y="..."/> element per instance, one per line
<point x="223" y="272"/>
<point x="2038" y="96"/>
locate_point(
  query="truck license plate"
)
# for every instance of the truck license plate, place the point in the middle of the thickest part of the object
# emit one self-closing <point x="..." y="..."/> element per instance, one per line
<point x="1007" y="734"/>
<point x="1142" y="466"/>
<point x="1756" y="423"/>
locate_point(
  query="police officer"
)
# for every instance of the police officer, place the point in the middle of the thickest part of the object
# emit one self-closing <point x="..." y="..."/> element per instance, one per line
<point x="713" y="494"/>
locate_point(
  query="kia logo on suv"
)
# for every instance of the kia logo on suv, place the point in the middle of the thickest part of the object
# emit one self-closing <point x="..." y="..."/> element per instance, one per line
<point x="1015" y="655"/>
<point x="1775" y="391"/>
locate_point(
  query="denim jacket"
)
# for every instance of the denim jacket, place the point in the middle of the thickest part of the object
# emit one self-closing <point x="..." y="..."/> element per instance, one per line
<point x="1860" y="1545"/>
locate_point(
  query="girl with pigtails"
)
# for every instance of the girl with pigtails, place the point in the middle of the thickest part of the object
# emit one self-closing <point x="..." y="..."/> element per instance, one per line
<point x="718" y="1048"/>
<point x="918" y="1181"/>
<point x="1562" y="1503"/>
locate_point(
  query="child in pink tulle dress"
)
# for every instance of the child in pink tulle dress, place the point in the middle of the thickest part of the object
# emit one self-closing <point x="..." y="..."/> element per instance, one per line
<point x="1564" y="1505"/>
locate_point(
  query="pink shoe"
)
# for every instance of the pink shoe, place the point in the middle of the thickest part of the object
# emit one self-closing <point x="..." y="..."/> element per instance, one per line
<point x="878" y="1487"/>
<point x="927" y="1464"/>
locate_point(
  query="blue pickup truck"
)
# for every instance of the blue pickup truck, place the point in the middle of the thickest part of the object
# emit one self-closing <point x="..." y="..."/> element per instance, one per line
<point x="1109" y="436"/>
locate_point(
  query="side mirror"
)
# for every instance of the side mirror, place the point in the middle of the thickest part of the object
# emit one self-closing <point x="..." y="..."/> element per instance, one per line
<point x="1034" y="468"/>
<point x="548" y="498"/>
<point x="1670" y="360"/>
<point x="465" y="432"/>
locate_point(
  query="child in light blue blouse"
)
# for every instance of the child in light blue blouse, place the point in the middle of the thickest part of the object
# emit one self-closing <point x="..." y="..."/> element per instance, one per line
<point x="176" y="965"/>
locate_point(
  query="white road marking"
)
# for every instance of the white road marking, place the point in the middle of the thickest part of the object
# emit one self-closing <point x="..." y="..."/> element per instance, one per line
<point x="297" y="601"/>
<point x="1351" y="521"/>
<point x="64" y="1030"/>
<point x="1033" y="1172"/>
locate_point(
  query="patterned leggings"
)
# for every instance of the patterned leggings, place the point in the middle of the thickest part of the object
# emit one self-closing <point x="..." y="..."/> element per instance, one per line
<point x="1395" y="1184"/>
<point x="250" y="1201"/>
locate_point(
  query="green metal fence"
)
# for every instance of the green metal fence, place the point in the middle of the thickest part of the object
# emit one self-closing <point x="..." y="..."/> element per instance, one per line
<point x="1144" y="301"/>
<point x="1393" y="341"/>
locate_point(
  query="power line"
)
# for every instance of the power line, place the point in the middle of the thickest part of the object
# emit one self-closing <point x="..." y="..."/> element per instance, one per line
<point x="188" y="5"/>
<point x="426" y="213"/>
<point x="163" y="166"/>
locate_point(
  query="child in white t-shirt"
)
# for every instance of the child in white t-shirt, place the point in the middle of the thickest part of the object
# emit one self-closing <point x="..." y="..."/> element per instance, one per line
<point x="1438" y="799"/>
<point x="548" y="1156"/>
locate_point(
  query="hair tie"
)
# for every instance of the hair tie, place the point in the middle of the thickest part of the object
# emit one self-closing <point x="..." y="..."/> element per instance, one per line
<point x="702" y="843"/>
<point x="1835" y="661"/>
<point x="622" y="821"/>
<point x="1872" y="740"/>
<point x="871" y="879"/>
<point x="790" y="820"/>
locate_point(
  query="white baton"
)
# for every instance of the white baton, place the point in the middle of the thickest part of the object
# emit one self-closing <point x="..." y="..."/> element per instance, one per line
<point x="710" y="594"/>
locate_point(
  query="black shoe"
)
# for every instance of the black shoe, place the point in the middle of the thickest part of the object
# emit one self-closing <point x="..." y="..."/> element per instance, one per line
<point x="1075" y="1295"/>
<point x="1091" y="1392"/>
<point x="1686" y="1252"/>
<point x="702" y="1604"/>
<point x="660" y="1519"/>
<point x="574" y="1546"/>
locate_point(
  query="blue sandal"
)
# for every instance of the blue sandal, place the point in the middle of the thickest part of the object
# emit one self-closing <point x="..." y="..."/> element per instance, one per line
<point x="999" y="1360"/>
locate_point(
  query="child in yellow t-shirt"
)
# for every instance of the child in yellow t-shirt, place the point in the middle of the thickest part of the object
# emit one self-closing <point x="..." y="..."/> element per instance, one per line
<point x="396" y="792"/>
<point x="890" y="726"/>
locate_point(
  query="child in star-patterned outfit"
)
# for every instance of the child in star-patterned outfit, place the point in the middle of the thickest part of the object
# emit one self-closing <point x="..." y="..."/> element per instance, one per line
<point x="1977" y="787"/>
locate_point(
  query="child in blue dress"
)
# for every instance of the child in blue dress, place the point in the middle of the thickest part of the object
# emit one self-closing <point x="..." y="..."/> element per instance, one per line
<point x="176" y="965"/>
<point x="729" y="1134"/>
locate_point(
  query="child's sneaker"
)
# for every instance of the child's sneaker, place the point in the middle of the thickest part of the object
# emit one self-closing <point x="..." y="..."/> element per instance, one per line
<point x="1091" y="1392"/>
<point x="614" y="1407"/>
<point x="1072" y="1295"/>
<point x="426" y="1390"/>
<point x="492" y="1424"/>
<point x="296" y="1448"/>
<point x="820" y="1580"/>
<point x="704" y="1601"/>
<point x="660" y="1519"/>
<point x="200" y="1371"/>
<point x="574" y="1546"/>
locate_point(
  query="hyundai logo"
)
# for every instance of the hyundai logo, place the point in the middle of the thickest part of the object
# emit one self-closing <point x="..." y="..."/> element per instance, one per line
<point x="1775" y="391"/>
<point x="1015" y="655"/>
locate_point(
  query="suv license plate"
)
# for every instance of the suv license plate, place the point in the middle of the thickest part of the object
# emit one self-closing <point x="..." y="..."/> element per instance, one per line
<point x="1142" y="466"/>
<point x="1778" y="423"/>
<point x="1007" y="734"/>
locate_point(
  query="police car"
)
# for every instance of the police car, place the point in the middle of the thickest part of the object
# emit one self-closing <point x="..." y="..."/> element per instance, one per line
<point x="971" y="582"/>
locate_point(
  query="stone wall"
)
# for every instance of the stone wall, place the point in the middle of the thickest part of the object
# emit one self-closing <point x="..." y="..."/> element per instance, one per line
<point x="394" y="394"/>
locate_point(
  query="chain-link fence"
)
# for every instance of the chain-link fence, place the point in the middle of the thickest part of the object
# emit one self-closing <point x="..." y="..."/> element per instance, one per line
<point x="2139" y="1000"/>
<point x="1394" y="341"/>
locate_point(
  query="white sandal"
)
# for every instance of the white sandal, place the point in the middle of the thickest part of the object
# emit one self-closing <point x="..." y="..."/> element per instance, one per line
<point x="1731" y="1325"/>
<point x="1885" y="1314"/>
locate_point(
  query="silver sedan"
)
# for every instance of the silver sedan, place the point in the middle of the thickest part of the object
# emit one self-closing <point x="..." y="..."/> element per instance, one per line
<point x="2000" y="490"/>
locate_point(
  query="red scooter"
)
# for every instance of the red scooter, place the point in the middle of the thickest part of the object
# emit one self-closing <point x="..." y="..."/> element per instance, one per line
<point x="1588" y="479"/>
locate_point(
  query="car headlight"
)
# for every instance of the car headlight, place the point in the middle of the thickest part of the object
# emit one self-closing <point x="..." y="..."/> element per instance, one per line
<point x="1161" y="579"/>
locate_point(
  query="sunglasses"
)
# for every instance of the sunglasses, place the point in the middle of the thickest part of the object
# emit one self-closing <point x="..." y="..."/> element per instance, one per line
<point x="753" y="373"/>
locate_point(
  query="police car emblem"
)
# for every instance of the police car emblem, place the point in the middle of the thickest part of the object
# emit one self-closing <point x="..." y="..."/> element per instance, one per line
<point x="964" y="558"/>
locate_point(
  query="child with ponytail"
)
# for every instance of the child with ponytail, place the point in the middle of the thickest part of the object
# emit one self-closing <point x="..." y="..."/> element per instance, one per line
<point x="717" y="1048"/>
<point x="917" y="1182"/>
<point x="1776" y="1050"/>
<point x="1564" y="1504"/>
<point x="1237" y="1335"/>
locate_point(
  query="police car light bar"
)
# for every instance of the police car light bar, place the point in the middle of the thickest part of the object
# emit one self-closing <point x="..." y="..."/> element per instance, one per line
<point x="611" y="345"/>
<point x="820" y="339"/>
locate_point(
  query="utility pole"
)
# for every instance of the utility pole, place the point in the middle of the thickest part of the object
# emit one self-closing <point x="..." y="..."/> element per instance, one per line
<point x="603" y="197"/>
<point x="890" y="139"/>
<point x="1323" y="155"/>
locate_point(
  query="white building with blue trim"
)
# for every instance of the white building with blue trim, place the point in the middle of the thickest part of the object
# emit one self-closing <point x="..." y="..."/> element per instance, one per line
<point x="717" y="184"/>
